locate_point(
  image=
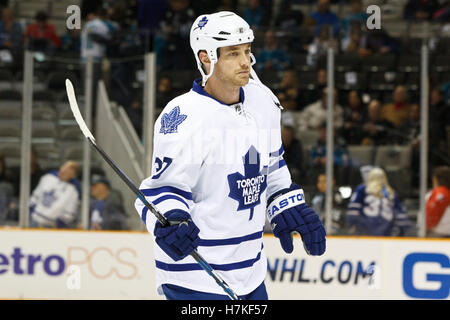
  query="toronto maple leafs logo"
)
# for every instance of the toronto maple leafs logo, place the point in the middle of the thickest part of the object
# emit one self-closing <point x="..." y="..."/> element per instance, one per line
<point x="48" y="198"/>
<point x="170" y="121"/>
<point x="202" y="22"/>
<point x="247" y="188"/>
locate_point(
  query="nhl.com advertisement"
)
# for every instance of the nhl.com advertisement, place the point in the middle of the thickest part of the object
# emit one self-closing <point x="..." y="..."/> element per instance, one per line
<point x="38" y="264"/>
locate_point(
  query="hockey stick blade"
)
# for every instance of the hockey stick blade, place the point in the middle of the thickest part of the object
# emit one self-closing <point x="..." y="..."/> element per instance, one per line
<point x="87" y="133"/>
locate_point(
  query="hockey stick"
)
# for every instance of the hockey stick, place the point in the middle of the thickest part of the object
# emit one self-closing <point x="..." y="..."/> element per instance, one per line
<point x="87" y="133"/>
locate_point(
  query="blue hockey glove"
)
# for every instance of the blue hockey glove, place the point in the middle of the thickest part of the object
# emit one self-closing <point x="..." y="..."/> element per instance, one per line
<point x="288" y="214"/>
<point x="180" y="238"/>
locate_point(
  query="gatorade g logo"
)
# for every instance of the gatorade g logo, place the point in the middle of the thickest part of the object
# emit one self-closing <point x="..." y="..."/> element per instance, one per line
<point x="415" y="269"/>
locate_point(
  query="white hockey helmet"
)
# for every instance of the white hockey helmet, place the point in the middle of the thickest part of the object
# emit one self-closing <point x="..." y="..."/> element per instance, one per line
<point x="210" y="32"/>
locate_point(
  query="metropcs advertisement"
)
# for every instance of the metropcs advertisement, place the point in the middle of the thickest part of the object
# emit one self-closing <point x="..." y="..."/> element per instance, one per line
<point x="56" y="264"/>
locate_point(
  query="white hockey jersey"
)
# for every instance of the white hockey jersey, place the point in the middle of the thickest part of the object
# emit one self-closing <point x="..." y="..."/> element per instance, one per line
<point x="220" y="163"/>
<point x="54" y="199"/>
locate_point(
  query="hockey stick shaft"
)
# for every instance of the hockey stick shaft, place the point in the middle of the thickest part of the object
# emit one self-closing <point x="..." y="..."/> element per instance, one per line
<point x="76" y="112"/>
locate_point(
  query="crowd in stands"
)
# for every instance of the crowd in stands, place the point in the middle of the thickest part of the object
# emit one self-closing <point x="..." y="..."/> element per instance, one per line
<point x="375" y="102"/>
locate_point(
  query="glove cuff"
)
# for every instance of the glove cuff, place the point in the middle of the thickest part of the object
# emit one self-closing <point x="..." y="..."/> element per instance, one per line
<point x="285" y="201"/>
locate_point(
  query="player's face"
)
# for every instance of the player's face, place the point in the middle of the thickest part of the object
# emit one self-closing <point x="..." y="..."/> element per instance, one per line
<point x="66" y="172"/>
<point x="234" y="64"/>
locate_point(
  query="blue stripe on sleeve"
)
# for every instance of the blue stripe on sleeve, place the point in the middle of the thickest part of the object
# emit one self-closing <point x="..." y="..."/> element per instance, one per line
<point x="230" y="241"/>
<point x="167" y="197"/>
<point x="196" y="266"/>
<point x="156" y="191"/>
<point x="277" y="153"/>
<point x="277" y="166"/>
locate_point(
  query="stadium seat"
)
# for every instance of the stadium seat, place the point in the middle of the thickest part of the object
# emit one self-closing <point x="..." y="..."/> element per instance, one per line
<point x="347" y="62"/>
<point x="44" y="113"/>
<point x="441" y="63"/>
<point x="43" y="130"/>
<point x="10" y="129"/>
<point x="307" y="137"/>
<point x="351" y="80"/>
<point x="362" y="155"/>
<point x="408" y="63"/>
<point x="56" y="80"/>
<point x="72" y="133"/>
<point x="393" y="157"/>
<point x="379" y="62"/>
<point x="385" y="80"/>
<point x="10" y="95"/>
<point x="6" y="80"/>
<point x="10" y="112"/>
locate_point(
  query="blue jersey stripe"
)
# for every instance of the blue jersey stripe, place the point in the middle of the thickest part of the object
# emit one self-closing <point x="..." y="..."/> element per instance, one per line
<point x="277" y="166"/>
<point x="230" y="241"/>
<point x="167" y="197"/>
<point x="156" y="191"/>
<point x="196" y="266"/>
<point x="277" y="153"/>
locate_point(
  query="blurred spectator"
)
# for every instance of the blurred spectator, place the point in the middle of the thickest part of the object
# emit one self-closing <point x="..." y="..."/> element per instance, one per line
<point x="227" y="5"/>
<point x="288" y="18"/>
<point x="438" y="204"/>
<point x="375" y="209"/>
<point x="357" y="14"/>
<point x="420" y="9"/>
<point x="272" y="57"/>
<point x="256" y="14"/>
<point x="375" y="130"/>
<point x="353" y="115"/>
<point x="289" y="90"/>
<point x="205" y="6"/>
<point x="321" y="83"/>
<point x="443" y="14"/>
<point x="341" y="160"/>
<point x="41" y="35"/>
<point x="324" y="17"/>
<point x="150" y="15"/>
<point x="398" y="110"/>
<point x="315" y="114"/>
<point x="318" y="204"/>
<point x="95" y="36"/>
<point x="353" y="41"/>
<point x="71" y="41"/>
<point x="172" y="41"/>
<point x="55" y="201"/>
<point x="107" y="212"/>
<point x="439" y="119"/>
<point x="7" y="203"/>
<point x="320" y="45"/>
<point x="164" y="92"/>
<point x="377" y="41"/>
<point x="11" y="37"/>
<point x="90" y="6"/>
<point x="293" y="149"/>
<point x="408" y="132"/>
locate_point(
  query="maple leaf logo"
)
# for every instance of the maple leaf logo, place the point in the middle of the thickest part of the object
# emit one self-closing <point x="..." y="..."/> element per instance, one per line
<point x="247" y="188"/>
<point x="170" y="121"/>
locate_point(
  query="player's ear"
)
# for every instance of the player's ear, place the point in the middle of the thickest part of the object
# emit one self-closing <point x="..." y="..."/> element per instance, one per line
<point x="203" y="56"/>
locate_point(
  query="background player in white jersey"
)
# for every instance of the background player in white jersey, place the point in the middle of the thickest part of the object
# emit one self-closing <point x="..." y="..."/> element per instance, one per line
<point x="218" y="169"/>
<point x="55" y="201"/>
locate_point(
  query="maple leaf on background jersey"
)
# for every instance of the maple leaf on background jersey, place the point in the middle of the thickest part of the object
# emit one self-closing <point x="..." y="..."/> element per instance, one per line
<point x="247" y="188"/>
<point x="170" y="121"/>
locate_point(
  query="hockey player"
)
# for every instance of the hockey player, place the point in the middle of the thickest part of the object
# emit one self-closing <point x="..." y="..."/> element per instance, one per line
<point x="55" y="201"/>
<point x="218" y="169"/>
<point x="375" y="209"/>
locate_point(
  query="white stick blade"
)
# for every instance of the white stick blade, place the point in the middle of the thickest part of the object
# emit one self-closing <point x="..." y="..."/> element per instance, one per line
<point x="76" y="110"/>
